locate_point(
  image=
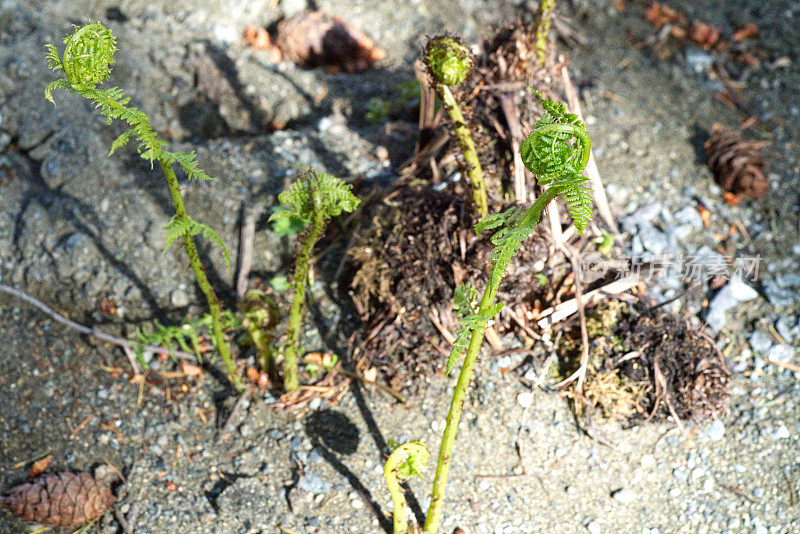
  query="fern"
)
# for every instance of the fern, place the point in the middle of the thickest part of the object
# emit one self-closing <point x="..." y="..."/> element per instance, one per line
<point x="86" y="63"/>
<point x="180" y="226"/>
<point x="185" y="336"/>
<point x="311" y="200"/>
<point x="549" y="153"/>
<point x="558" y="161"/>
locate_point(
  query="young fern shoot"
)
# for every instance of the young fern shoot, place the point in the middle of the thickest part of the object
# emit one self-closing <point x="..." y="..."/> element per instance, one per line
<point x="550" y="153"/>
<point x="312" y="199"/>
<point x="407" y="460"/>
<point x="86" y="63"/>
<point x="449" y="63"/>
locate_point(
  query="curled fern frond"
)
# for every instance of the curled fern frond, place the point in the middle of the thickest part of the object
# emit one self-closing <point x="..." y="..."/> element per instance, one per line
<point x="557" y="151"/>
<point x="88" y="55"/>
<point x="313" y="193"/>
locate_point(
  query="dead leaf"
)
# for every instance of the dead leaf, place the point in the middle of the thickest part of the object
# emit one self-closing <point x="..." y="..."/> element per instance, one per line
<point x="748" y="32"/>
<point x="731" y="199"/>
<point x="108" y="306"/>
<point x="259" y="39"/>
<point x="170" y="485"/>
<point x="704" y="35"/>
<point x="189" y="369"/>
<point x="252" y="374"/>
<point x="659" y="14"/>
<point x="705" y="214"/>
<point x="38" y="467"/>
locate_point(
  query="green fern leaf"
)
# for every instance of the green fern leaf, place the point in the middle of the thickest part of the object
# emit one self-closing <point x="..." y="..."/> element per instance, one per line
<point x="315" y="192"/>
<point x="120" y="142"/>
<point x="180" y="226"/>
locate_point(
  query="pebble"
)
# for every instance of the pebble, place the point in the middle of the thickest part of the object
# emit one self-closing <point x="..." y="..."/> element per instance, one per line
<point x="781" y="353"/>
<point x="313" y="483"/>
<point x="783" y="290"/>
<point x="594" y="528"/>
<point x="730" y="296"/>
<point x="525" y="399"/>
<point x="689" y="215"/>
<point x="783" y="328"/>
<point x="781" y="433"/>
<point x="759" y="342"/>
<point x="698" y="61"/>
<point x="624" y="496"/>
<point x="179" y="298"/>
<point x="224" y="34"/>
<point x="716" y="430"/>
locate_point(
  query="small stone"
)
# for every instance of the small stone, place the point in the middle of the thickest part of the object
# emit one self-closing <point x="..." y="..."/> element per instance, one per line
<point x="314" y="404"/>
<point x="781" y="433"/>
<point x="647" y="461"/>
<point x="781" y="353"/>
<point x="594" y="528"/>
<point x="698" y="61"/>
<point x="730" y="296"/>
<point x="357" y="504"/>
<point x="690" y="216"/>
<point x="759" y="342"/>
<point x="783" y="290"/>
<point x="525" y="399"/>
<point x="224" y="34"/>
<point x="179" y="299"/>
<point x="783" y="328"/>
<point x="624" y="496"/>
<point x="716" y="430"/>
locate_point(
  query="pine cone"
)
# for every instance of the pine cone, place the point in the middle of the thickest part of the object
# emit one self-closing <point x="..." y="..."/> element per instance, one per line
<point x="62" y="500"/>
<point x="737" y="165"/>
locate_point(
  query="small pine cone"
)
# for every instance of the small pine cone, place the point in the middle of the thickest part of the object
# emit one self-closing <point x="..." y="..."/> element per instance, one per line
<point x="66" y="500"/>
<point x="737" y="165"/>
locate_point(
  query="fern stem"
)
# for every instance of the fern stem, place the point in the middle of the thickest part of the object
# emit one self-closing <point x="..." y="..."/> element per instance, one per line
<point x="531" y="216"/>
<point x="302" y="264"/>
<point x="468" y="147"/>
<point x="202" y="279"/>
<point x="543" y="28"/>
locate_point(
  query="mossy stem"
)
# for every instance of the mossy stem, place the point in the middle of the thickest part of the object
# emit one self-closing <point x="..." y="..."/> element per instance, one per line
<point x="202" y="279"/>
<point x="468" y="147"/>
<point x="302" y="264"/>
<point x="531" y="216"/>
<point x="543" y="28"/>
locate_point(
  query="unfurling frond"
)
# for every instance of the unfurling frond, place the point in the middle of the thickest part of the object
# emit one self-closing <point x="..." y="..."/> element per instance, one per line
<point x="557" y="151"/>
<point x="180" y="226"/>
<point x="313" y="194"/>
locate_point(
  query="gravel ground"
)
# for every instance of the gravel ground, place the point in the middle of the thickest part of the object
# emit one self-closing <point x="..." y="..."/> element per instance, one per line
<point x="76" y="228"/>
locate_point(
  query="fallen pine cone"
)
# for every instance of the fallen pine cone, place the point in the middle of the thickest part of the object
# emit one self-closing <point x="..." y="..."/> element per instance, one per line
<point x="313" y="38"/>
<point x="737" y="165"/>
<point x="66" y="499"/>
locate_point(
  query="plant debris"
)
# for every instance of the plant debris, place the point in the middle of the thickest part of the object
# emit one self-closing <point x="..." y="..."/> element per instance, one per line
<point x="67" y="500"/>
<point x="737" y="165"/>
<point x="645" y="364"/>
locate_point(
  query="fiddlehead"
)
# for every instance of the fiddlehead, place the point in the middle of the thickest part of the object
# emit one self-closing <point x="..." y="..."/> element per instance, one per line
<point x="449" y="62"/>
<point x="406" y="461"/>
<point x="558" y="162"/>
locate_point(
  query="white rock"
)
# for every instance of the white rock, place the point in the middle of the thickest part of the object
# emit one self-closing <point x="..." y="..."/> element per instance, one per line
<point x="781" y="353"/>
<point x="624" y="496"/>
<point x="716" y="430"/>
<point x="594" y="528"/>
<point x="781" y="433"/>
<point x="224" y="34"/>
<point x="525" y="399"/>
<point x="733" y="294"/>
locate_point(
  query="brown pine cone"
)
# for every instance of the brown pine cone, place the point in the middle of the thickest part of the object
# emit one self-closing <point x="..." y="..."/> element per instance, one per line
<point x="737" y="165"/>
<point x="62" y="500"/>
